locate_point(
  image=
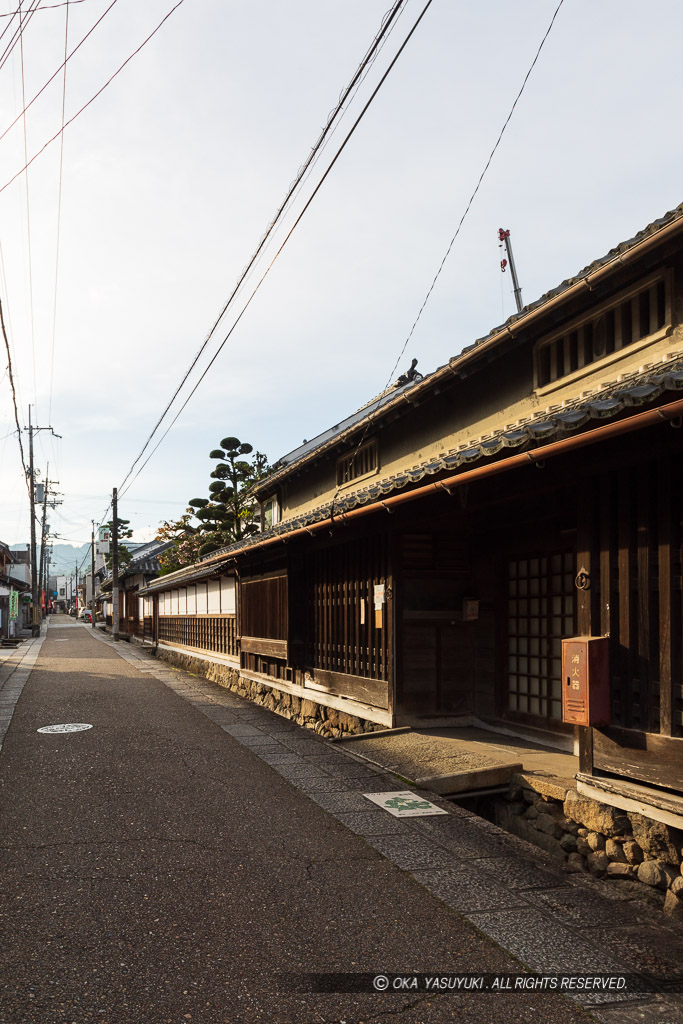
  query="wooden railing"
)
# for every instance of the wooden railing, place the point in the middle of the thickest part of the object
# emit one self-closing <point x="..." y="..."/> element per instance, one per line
<point x="204" y="632"/>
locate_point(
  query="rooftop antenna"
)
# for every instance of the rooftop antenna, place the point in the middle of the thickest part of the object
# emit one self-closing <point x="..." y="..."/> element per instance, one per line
<point x="504" y="239"/>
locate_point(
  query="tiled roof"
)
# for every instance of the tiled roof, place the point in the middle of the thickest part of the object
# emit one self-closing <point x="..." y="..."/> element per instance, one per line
<point x="187" y="575"/>
<point x="146" y="561"/>
<point x="391" y="397"/>
<point x="605" y="402"/>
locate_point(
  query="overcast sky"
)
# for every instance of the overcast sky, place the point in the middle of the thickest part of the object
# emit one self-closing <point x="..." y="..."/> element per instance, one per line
<point x="171" y="176"/>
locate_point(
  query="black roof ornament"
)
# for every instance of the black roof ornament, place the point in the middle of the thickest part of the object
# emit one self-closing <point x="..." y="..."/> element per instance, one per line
<point x="410" y="375"/>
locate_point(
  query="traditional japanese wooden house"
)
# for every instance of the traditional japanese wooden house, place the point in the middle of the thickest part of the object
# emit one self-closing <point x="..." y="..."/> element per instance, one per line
<point x="425" y="558"/>
<point x="141" y="570"/>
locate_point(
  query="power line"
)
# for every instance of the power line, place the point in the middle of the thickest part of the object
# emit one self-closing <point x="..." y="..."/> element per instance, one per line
<point x="287" y="236"/>
<point x="317" y="147"/>
<point x="59" y="214"/>
<point x="45" y="7"/>
<point x="4" y="57"/>
<point x="14" y="396"/>
<point x="28" y="215"/>
<point x="457" y="232"/>
<point x="477" y="187"/>
<point x="62" y="65"/>
<point x="93" y="98"/>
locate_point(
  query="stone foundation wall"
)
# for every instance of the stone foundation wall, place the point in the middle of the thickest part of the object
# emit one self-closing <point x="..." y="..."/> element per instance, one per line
<point x="326" y="721"/>
<point x="591" y="836"/>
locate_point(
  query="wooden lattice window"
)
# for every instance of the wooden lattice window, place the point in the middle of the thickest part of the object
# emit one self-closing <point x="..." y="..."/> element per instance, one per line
<point x="541" y="611"/>
<point x="362" y="462"/>
<point x="633" y="317"/>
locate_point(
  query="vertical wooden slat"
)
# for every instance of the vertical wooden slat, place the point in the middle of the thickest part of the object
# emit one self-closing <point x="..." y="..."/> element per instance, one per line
<point x="626" y="638"/>
<point x="585" y="749"/>
<point x="645" y="598"/>
<point x="584" y="542"/>
<point x="606" y="556"/>
<point x="665" y="560"/>
<point x="618" y="339"/>
<point x="653" y="308"/>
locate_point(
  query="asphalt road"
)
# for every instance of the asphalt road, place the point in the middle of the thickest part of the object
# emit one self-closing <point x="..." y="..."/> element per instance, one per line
<point x="155" y="870"/>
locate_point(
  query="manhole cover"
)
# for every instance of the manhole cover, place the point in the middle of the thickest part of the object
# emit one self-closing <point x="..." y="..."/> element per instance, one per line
<point x="68" y="727"/>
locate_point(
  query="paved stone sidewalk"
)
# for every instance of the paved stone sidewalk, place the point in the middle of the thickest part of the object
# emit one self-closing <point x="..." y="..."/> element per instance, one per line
<point x="508" y="889"/>
<point x="15" y="668"/>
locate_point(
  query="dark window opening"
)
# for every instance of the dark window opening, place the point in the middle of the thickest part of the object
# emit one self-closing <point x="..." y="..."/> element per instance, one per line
<point x="573" y="351"/>
<point x="639" y="316"/>
<point x="357" y="464"/>
<point x="644" y="314"/>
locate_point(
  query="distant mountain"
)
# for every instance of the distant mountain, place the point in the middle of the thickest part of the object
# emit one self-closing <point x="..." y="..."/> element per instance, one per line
<point x="65" y="557"/>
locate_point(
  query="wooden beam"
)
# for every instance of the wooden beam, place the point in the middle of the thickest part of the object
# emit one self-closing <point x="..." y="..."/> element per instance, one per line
<point x="639" y="755"/>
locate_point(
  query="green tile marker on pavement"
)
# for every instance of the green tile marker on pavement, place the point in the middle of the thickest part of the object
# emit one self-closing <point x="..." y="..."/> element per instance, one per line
<point x="404" y="804"/>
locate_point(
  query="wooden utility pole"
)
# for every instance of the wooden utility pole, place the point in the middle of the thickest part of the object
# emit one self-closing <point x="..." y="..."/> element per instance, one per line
<point x="35" y="620"/>
<point x="43" y="565"/>
<point x="115" y="566"/>
<point x="92" y="573"/>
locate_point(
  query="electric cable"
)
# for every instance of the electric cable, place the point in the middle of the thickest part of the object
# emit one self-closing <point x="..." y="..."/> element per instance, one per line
<point x="453" y="239"/>
<point x="317" y="147"/>
<point x="14" y="399"/>
<point x="4" y="57"/>
<point x="61" y="66"/>
<point x="28" y="217"/>
<point x="59" y="214"/>
<point x="286" y="239"/>
<point x="93" y="98"/>
<point x="45" y="7"/>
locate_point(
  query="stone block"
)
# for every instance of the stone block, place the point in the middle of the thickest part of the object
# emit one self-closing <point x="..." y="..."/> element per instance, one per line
<point x="615" y="851"/>
<point x="657" y="840"/>
<point x="530" y="813"/>
<point x="595" y="841"/>
<point x="582" y="846"/>
<point x="673" y="906"/>
<point x="568" y="843"/>
<point x="677" y="887"/>
<point x="596" y="817"/>
<point x="652" y="872"/>
<point x="597" y="863"/>
<point x="575" y="862"/>
<point x="625" y="871"/>
<point x="546" y="823"/>
<point x="309" y="709"/>
<point x="549" y="786"/>
<point x="569" y="826"/>
<point x="632" y="852"/>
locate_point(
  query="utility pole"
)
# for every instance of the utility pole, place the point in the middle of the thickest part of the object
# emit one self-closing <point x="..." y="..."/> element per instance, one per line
<point x="92" y="573"/>
<point x="35" y="625"/>
<point x="504" y="239"/>
<point x="76" y="591"/>
<point x="115" y="566"/>
<point x="43" y="562"/>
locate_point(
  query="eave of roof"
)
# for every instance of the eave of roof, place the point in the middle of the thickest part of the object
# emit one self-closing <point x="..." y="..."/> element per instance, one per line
<point x="556" y="422"/>
<point x="196" y="571"/>
<point x="655" y="233"/>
